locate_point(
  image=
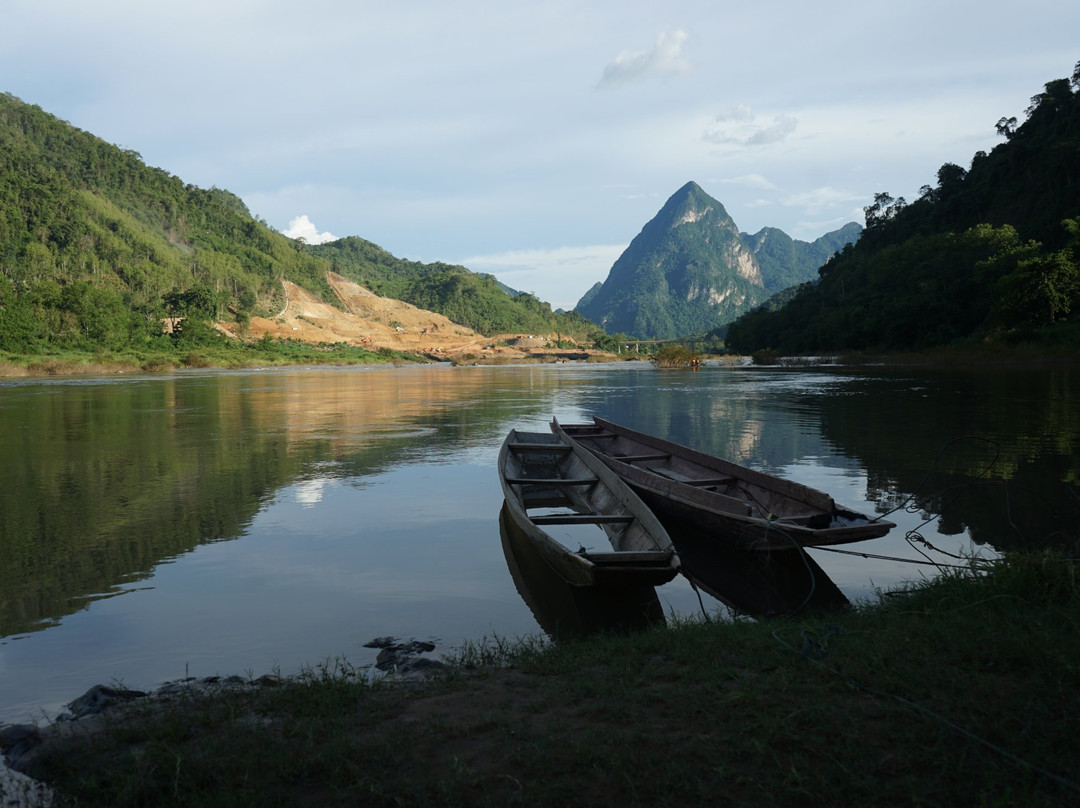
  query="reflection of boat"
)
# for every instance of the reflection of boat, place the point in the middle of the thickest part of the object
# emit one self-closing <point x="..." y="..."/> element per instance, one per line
<point x="736" y="505"/>
<point x="572" y="611"/>
<point x="550" y="482"/>
<point x="753" y="583"/>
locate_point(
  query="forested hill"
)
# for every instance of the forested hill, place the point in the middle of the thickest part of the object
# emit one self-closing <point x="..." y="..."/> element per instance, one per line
<point x="988" y="253"/>
<point x="96" y="248"/>
<point x="473" y="299"/>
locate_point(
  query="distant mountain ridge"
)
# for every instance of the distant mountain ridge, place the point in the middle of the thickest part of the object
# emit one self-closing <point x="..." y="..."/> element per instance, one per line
<point x="690" y="270"/>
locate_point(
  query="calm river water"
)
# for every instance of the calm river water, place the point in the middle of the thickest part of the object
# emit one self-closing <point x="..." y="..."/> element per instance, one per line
<point x="221" y="522"/>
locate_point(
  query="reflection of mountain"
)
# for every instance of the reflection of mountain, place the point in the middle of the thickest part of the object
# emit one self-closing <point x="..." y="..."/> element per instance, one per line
<point x="103" y="481"/>
<point x="893" y="423"/>
<point x="720" y="412"/>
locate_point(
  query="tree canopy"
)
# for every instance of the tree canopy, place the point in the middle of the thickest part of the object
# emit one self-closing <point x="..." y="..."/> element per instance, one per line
<point x="991" y="252"/>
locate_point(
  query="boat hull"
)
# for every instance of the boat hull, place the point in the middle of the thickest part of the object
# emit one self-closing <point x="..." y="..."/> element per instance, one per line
<point x="741" y="507"/>
<point x="542" y="471"/>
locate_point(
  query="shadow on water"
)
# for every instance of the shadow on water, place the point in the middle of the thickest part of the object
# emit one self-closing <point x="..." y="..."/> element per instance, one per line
<point x="750" y="583"/>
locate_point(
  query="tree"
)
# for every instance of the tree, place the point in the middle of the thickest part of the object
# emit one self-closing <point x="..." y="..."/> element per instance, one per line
<point x="884" y="209"/>
<point x="1042" y="289"/>
<point x="1006" y="127"/>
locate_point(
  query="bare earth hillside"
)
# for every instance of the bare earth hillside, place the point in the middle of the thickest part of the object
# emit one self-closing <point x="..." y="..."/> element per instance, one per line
<point x="364" y="319"/>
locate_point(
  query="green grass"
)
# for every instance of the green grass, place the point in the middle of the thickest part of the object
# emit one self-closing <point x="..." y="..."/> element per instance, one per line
<point x="263" y="353"/>
<point x="960" y="691"/>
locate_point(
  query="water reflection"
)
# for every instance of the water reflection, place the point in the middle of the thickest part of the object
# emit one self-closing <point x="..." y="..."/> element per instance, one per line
<point x="256" y="519"/>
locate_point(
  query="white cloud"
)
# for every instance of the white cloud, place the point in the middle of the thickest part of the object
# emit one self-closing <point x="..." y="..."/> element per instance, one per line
<point x="665" y="59"/>
<point x="740" y="126"/>
<point x="557" y="276"/>
<point x="303" y="228"/>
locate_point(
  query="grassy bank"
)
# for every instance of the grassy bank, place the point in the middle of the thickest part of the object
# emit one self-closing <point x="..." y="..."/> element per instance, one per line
<point x="265" y="353"/>
<point x="963" y="691"/>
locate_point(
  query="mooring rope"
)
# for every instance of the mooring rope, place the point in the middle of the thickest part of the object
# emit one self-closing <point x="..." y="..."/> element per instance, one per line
<point x="1062" y="781"/>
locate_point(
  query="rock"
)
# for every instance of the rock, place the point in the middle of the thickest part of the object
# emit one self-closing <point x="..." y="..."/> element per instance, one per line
<point x="392" y="656"/>
<point x="380" y="642"/>
<point x="101" y="697"/>
<point x="416" y="671"/>
<point x="15" y="739"/>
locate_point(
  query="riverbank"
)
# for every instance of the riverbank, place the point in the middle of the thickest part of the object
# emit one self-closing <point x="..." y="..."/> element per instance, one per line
<point x="953" y="692"/>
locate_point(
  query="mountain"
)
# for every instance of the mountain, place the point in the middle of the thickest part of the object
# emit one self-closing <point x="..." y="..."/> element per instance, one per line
<point x="787" y="262"/>
<point x="990" y="254"/>
<point x="97" y="249"/>
<point x="691" y="270"/>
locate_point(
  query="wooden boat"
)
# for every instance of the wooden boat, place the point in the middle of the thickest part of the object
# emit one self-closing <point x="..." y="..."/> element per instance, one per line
<point x="548" y="481"/>
<point x="739" y="506"/>
<point x="564" y="611"/>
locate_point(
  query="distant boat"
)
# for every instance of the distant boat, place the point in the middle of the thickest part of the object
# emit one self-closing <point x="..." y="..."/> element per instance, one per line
<point x="741" y="507"/>
<point x="549" y="481"/>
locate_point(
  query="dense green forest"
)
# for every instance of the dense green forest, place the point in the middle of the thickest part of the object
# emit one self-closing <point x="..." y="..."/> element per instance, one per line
<point x="989" y="254"/>
<point x="96" y="248"/>
<point x="476" y="300"/>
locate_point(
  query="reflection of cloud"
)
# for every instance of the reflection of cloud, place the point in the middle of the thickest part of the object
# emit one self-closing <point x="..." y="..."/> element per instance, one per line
<point x="309" y="493"/>
<point x="740" y="126"/>
<point x="665" y="59"/>
<point x="303" y="228"/>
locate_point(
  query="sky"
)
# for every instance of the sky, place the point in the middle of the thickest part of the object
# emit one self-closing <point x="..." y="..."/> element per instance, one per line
<point x="534" y="140"/>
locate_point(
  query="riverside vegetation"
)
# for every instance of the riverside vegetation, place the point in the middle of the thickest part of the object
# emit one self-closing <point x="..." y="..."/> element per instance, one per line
<point x="949" y="692"/>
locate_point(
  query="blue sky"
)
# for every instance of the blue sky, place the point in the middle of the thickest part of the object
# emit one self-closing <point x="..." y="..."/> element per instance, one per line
<point x="534" y="140"/>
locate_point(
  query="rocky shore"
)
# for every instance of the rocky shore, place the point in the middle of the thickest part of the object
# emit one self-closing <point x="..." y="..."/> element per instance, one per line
<point x="104" y="706"/>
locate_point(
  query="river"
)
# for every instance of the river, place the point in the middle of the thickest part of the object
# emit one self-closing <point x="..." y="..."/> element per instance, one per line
<point x="255" y="521"/>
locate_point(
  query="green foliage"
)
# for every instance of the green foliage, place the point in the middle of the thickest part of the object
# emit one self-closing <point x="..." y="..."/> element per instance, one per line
<point x="990" y="252"/>
<point x="92" y="240"/>
<point x="676" y="356"/>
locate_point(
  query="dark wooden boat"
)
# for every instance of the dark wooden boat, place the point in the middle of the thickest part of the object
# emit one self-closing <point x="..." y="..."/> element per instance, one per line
<point x="550" y="482"/>
<point x="564" y="611"/>
<point x="737" y="505"/>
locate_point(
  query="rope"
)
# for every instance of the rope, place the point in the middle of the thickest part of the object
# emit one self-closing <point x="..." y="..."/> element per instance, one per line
<point x="886" y="558"/>
<point x="933" y="465"/>
<point x="820" y="647"/>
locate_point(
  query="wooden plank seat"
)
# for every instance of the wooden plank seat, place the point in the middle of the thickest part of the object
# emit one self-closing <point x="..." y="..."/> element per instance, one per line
<point x="540" y="448"/>
<point x="703" y="482"/>
<point x="580" y="519"/>
<point x="631" y="557"/>
<point x="550" y="481"/>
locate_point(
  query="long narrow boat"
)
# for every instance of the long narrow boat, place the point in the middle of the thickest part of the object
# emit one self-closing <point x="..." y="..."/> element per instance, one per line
<point x="549" y="481"/>
<point x="739" y="506"/>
